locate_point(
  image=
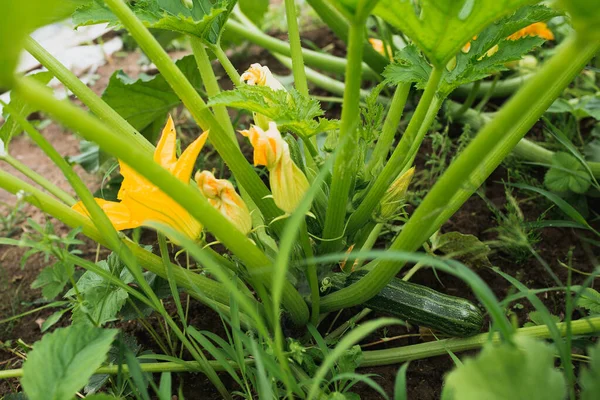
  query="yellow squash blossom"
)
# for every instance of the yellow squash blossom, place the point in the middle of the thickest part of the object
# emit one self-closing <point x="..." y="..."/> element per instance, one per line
<point x="288" y="182"/>
<point x="260" y="75"/>
<point x="393" y="199"/>
<point x="142" y="202"/>
<point x="222" y="196"/>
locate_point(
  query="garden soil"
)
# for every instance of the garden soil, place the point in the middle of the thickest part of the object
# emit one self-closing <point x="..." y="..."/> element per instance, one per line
<point x="424" y="377"/>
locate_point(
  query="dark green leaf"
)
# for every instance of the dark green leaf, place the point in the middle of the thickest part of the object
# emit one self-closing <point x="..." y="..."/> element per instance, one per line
<point x="589" y="299"/>
<point x="500" y="372"/>
<point x="566" y="174"/>
<point x="204" y="19"/>
<point x="290" y="110"/>
<point x="62" y="362"/>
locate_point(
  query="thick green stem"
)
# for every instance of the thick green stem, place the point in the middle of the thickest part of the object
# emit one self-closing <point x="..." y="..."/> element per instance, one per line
<point x="344" y="170"/>
<point x="442" y="347"/>
<point x="92" y="129"/>
<point x="312" y="58"/>
<point x="491" y="145"/>
<point x="86" y="95"/>
<point x="390" y="126"/>
<point x="40" y="180"/>
<point x="416" y="128"/>
<point x="225" y="146"/>
<point x="295" y="48"/>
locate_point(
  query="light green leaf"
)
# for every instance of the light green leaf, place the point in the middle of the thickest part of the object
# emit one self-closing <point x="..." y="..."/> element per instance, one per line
<point x="590" y="376"/>
<point x="290" y="110"/>
<point x="409" y="65"/>
<point x="566" y="174"/>
<point x="11" y="128"/>
<point x="585" y="15"/>
<point x="17" y="20"/>
<point x="500" y="372"/>
<point x="441" y="27"/>
<point x="53" y="319"/>
<point x="62" y="362"/>
<point x="537" y="319"/>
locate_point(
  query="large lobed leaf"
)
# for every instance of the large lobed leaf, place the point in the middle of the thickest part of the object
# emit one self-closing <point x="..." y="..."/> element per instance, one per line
<point x="204" y="19"/>
<point x="411" y="66"/>
<point x="62" y="362"/>
<point x="441" y="27"/>
<point x="522" y="372"/>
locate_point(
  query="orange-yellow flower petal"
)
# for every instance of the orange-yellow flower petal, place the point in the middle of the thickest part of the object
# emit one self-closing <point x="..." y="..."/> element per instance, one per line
<point x="379" y="47"/>
<point x="143" y="202"/>
<point x="221" y="194"/>
<point x="268" y="145"/>
<point x="537" y="29"/>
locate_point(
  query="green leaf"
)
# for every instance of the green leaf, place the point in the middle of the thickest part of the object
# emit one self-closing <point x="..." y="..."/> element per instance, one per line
<point x="441" y="27"/>
<point x="589" y="299"/>
<point x="349" y="360"/>
<point x="11" y="128"/>
<point x="400" y="385"/>
<point x="290" y="110"/>
<point x="18" y="20"/>
<point x="53" y="319"/>
<point x="62" y="362"/>
<point x="254" y="9"/>
<point x="537" y="319"/>
<point x="148" y="98"/>
<point x="566" y="174"/>
<point x="409" y="65"/>
<point x="477" y="64"/>
<point x="102" y="301"/>
<point x="585" y="15"/>
<point x="467" y="249"/>
<point x="590" y="377"/>
<point x="204" y="18"/>
<point x="89" y="156"/>
<point x="52" y="279"/>
<point x="525" y="371"/>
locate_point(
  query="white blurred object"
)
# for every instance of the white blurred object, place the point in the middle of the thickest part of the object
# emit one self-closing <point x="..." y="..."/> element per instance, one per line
<point x="73" y="48"/>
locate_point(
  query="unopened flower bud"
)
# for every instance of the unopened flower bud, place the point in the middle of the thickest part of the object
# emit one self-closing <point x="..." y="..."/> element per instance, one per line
<point x="393" y="199"/>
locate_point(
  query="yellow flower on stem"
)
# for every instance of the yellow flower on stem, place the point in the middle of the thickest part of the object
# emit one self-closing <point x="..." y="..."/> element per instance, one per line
<point x="221" y="194"/>
<point x="537" y="29"/>
<point x="288" y="182"/>
<point x="393" y="199"/>
<point x="142" y="202"/>
<point x="261" y="76"/>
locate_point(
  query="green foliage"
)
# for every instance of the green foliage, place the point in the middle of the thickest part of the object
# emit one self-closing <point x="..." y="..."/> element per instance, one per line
<point x="204" y="18"/>
<point x="590" y="376"/>
<point x="62" y="362"/>
<point x="537" y="319"/>
<point x="589" y="299"/>
<point x="290" y="110"/>
<point x="585" y="15"/>
<point x="52" y="279"/>
<point x="11" y="128"/>
<point x="580" y="107"/>
<point x="566" y="174"/>
<point x="468" y="249"/>
<point x="499" y="372"/>
<point x="441" y="27"/>
<point x="254" y="9"/>
<point x="17" y="21"/>
<point x="409" y="66"/>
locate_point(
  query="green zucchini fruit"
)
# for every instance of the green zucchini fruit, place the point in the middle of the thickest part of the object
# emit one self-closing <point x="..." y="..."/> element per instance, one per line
<point x="422" y="306"/>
